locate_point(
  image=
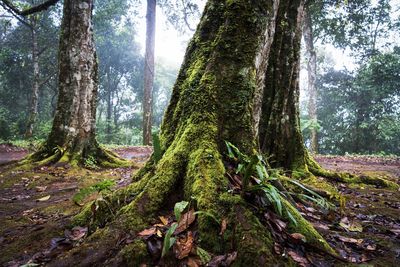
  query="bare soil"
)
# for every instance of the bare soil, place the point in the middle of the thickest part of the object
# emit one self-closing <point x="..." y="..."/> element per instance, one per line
<point x="36" y="206"/>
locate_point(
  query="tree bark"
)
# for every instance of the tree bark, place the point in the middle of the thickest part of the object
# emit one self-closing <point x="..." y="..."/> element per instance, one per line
<point x="211" y="103"/>
<point x="311" y="79"/>
<point x="149" y="71"/>
<point x="72" y="138"/>
<point x="33" y="108"/>
<point x="279" y="130"/>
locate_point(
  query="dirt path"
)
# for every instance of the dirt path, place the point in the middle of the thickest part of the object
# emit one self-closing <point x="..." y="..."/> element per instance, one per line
<point x="35" y="207"/>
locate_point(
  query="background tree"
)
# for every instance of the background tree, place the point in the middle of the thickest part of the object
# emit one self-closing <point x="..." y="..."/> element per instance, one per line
<point x="73" y="137"/>
<point x="361" y="26"/>
<point x="149" y="70"/>
<point x="359" y="111"/>
<point x="23" y="59"/>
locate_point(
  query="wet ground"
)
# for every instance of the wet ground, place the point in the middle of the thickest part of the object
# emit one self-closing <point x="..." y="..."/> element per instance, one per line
<point x="36" y="205"/>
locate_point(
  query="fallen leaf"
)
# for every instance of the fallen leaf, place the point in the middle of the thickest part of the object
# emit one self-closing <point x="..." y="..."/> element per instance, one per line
<point x="224" y="223"/>
<point x="352" y="226"/>
<point x="44" y="198"/>
<point x="183" y="246"/>
<point x="298" y="236"/>
<point x="277" y="248"/>
<point x="302" y="261"/>
<point x="186" y="220"/>
<point x="350" y="240"/>
<point x="163" y="220"/>
<point x="321" y="226"/>
<point x="41" y="188"/>
<point x="148" y="232"/>
<point x="159" y="234"/>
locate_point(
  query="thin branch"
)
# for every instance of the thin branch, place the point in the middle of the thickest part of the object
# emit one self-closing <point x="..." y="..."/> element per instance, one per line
<point x="15" y="14"/>
<point x="40" y="7"/>
<point x="29" y="11"/>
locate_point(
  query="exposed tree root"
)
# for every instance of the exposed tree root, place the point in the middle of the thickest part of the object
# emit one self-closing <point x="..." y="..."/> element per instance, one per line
<point x="317" y="170"/>
<point x="197" y="175"/>
<point x="89" y="156"/>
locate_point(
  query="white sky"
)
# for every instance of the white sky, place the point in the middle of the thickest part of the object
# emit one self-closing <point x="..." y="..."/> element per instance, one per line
<point x="170" y="45"/>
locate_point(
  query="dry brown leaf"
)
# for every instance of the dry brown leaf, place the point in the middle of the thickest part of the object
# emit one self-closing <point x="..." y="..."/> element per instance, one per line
<point x="44" y="198"/>
<point x="183" y="246"/>
<point x="147" y="232"/>
<point x="352" y="226"/>
<point x="224" y="223"/>
<point x="302" y="261"/>
<point x="298" y="236"/>
<point x="41" y="188"/>
<point x="321" y="226"/>
<point x="163" y="220"/>
<point x="159" y="234"/>
<point x="350" y="240"/>
<point x="186" y="220"/>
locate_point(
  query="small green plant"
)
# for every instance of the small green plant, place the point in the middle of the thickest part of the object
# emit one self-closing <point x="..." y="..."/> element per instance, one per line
<point x="90" y="162"/>
<point x="256" y="167"/>
<point x="169" y="240"/>
<point x="104" y="186"/>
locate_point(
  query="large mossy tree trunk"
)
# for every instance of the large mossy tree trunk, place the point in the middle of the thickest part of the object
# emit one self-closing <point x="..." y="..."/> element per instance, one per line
<point x="72" y="137"/>
<point x="211" y="103"/>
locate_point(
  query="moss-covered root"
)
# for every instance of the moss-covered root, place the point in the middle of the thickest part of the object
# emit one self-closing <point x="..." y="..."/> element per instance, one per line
<point x="103" y="210"/>
<point x="302" y="226"/>
<point x="94" y="157"/>
<point x="317" y="170"/>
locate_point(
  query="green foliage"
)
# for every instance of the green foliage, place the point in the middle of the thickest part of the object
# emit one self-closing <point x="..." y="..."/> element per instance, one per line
<point x="169" y="240"/>
<point x="360" y="112"/>
<point x="179" y="208"/>
<point x="90" y="162"/>
<point x="104" y="186"/>
<point x="257" y="168"/>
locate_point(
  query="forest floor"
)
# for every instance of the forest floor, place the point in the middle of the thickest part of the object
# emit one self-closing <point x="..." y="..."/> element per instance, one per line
<point x="36" y="206"/>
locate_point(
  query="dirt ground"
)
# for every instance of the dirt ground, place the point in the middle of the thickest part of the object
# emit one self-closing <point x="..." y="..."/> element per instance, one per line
<point x="36" y="206"/>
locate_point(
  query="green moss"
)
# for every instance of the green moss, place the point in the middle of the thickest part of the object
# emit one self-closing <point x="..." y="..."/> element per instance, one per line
<point x="303" y="227"/>
<point x="134" y="254"/>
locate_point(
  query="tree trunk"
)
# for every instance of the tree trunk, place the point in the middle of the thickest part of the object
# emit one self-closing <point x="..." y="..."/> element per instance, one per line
<point x="109" y="109"/>
<point x="211" y="103"/>
<point x="279" y="130"/>
<point x="149" y="70"/>
<point x="72" y="138"/>
<point x="311" y="79"/>
<point x="33" y="108"/>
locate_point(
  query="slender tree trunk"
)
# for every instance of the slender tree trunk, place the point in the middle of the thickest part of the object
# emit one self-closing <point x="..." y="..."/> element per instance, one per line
<point x="72" y="138"/>
<point x="311" y="80"/>
<point x="33" y="108"/>
<point x="149" y="71"/>
<point x="109" y="110"/>
<point x="279" y="130"/>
